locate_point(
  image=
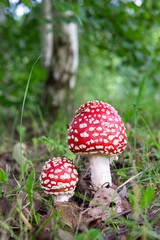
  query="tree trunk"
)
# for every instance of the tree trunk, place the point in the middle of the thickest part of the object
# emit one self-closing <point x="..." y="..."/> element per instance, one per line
<point x="63" y="63"/>
<point x="47" y="32"/>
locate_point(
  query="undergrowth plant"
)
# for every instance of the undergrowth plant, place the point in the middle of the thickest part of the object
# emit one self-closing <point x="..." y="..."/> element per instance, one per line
<point x="142" y="192"/>
<point x="22" y="112"/>
<point x="56" y="148"/>
<point x="3" y="179"/>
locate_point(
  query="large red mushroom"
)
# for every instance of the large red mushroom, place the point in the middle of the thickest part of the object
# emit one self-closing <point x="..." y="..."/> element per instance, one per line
<point x="98" y="130"/>
<point x="59" y="177"/>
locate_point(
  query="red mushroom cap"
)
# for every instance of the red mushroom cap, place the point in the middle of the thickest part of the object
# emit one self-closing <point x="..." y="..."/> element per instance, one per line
<point x="58" y="176"/>
<point x="96" y="127"/>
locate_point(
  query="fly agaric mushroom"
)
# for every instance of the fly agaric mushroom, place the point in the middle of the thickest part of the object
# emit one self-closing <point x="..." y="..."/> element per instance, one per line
<point x="98" y="130"/>
<point x="59" y="177"/>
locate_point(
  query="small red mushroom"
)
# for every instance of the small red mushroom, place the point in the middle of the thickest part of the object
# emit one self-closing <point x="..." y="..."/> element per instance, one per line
<point x="59" y="177"/>
<point x="97" y="129"/>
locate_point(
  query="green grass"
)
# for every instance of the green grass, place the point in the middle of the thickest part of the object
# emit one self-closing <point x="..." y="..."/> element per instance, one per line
<point x="22" y="113"/>
<point x="48" y="136"/>
<point x="103" y="76"/>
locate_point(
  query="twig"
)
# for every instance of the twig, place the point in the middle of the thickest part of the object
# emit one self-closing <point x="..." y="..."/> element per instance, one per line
<point x="25" y="220"/>
<point x="80" y="215"/>
<point x="86" y="210"/>
<point x="16" y="181"/>
<point x="129" y="180"/>
<point x="124" y="231"/>
<point x="121" y="214"/>
<point x="117" y="233"/>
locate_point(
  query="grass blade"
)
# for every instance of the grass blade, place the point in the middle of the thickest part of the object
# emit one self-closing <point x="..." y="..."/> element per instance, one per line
<point x="22" y="109"/>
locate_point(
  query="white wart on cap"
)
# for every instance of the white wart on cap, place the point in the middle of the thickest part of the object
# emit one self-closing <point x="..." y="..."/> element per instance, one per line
<point x="97" y="128"/>
<point x="59" y="177"/>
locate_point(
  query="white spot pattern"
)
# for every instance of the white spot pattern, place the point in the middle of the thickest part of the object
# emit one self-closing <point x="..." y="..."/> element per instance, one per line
<point x="44" y="175"/>
<point x="99" y="128"/>
<point x="46" y="181"/>
<point x="109" y="129"/>
<point x="95" y="134"/>
<point x="83" y="125"/>
<point x="91" y="129"/>
<point x="110" y="137"/>
<point x="58" y="171"/>
<point x="99" y="147"/>
<point x="76" y="148"/>
<point x="82" y="146"/>
<point x="96" y="122"/>
<point x="84" y="134"/>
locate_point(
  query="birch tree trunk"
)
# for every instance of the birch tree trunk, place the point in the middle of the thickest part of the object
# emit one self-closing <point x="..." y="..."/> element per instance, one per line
<point x="47" y="32"/>
<point x="61" y="58"/>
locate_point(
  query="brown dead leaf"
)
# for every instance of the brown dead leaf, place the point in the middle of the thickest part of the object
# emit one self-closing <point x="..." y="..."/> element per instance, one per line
<point x="70" y="213"/>
<point x="123" y="192"/>
<point x="6" y="206"/>
<point x="106" y="202"/>
<point x="154" y="213"/>
<point x="64" y="235"/>
<point x="44" y="234"/>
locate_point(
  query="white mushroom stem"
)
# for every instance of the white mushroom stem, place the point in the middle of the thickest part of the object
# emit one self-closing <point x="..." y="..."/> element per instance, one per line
<point x="100" y="169"/>
<point x="62" y="198"/>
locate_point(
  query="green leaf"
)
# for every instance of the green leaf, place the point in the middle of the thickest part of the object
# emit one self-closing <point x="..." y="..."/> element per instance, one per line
<point x="95" y="234"/>
<point x="131" y="199"/>
<point x="5" y="3"/>
<point x="53" y="145"/>
<point x="139" y="55"/>
<point x="147" y="198"/>
<point x="29" y="184"/>
<point x="27" y="3"/>
<point x="63" y="6"/>
<point x="3" y="176"/>
<point x="132" y="5"/>
<point x="122" y="172"/>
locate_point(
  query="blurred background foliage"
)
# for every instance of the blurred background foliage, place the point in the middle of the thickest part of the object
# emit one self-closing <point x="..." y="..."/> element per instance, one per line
<point x="119" y="56"/>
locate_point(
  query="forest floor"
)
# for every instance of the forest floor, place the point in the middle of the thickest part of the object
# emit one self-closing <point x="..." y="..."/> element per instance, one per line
<point x="86" y="210"/>
<point x="28" y="213"/>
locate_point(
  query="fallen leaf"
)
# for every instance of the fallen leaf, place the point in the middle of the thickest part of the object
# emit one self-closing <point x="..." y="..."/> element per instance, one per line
<point x="106" y="202"/>
<point x="70" y="213"/>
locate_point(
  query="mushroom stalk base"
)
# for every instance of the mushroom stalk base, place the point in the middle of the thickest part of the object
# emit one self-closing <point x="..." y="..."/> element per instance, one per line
<point x="62" y="198"/>
<point x="100" y="170"/>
